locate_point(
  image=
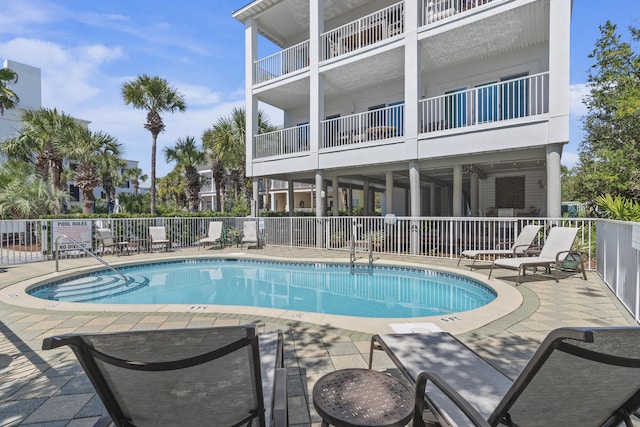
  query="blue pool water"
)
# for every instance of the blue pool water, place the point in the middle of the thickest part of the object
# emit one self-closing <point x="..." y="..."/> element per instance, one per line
<point x="393" y="292"/>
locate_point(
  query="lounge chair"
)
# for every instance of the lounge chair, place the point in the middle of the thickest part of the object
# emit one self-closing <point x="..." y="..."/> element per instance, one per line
<point x="226" y="376"/>
<point x="158" y="236"/>
<point x="523" y="241"/>
<point x="250" y="234"/>
<point x="577" y="377"/>
<point x="556" y="248"/>
<point x="107" y="241"/>
<point x="214" y="236"/>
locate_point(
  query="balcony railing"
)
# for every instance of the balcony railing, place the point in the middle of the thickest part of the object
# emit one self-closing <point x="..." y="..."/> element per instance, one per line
<point x="507" y="100"/>
<point x="284" y="62"/>
<point x="363" y="32"/>
<point x="283" y="141"/>
<point x="383" y="123"/>
<point x="437" y="10"/>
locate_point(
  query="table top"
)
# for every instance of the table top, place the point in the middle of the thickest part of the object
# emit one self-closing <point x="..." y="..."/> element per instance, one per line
<point x="362" y="397"/>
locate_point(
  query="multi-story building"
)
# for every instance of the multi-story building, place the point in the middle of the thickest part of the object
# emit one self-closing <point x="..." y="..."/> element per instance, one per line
<point x="448" y="107"/>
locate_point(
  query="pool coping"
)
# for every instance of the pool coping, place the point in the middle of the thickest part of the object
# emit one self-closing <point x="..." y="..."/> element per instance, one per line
<point x="508" y="300"/>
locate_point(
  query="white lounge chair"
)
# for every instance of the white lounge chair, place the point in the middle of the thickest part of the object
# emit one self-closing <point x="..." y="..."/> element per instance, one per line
<point x="214" y="236"/>
<point x="158" y="236"/>
<point x="523" y="242"/>
<point x="556" y="248"/>
<point x="250" y="233"/>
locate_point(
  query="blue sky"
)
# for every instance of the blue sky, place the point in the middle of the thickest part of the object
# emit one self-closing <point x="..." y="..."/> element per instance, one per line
<point x="87" y="49"/>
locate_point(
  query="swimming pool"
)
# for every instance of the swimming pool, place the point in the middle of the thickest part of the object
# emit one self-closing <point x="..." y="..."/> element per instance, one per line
<point x="382" y="291"/>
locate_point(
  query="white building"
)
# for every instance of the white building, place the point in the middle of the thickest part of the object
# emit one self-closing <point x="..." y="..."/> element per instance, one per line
<point x="29" y="90"/>
<point x="449" y="107"/>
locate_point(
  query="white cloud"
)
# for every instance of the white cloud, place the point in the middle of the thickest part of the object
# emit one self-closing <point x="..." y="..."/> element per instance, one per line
<point x="578" y="92"/>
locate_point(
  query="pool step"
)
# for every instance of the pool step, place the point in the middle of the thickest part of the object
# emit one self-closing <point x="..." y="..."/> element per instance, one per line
<point x="85" y="289"/>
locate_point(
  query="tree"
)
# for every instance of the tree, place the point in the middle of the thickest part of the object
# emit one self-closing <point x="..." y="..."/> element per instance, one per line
<point x="218" y="171"/>
<point x="610" y="152"/>
<point x="169" y="189"/>
<point x="188" y="156"/>
<point x="229" y="142"/>
<point x="8" y="98"/>
<point x="89" y="150"/>
<point x="40" y="143"/>
<point x="24" y="195"/>
<point x="136" y="176"/>
<point x="156" y="96"/>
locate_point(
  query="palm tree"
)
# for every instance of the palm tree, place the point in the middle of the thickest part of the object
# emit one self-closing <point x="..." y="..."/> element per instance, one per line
<point x="136" y="176"/>
<point x="156" y="96"/>
<point x="229" y="142"/>
<point x="218" y="171"/>
<point x="88" y="149"/>
<point x="8" y="98"/>
<point x="188" y="157"/>
<point x="169" y="189"/>
<point x="24" y="195"/>
<point x="40" y="143"/>
<point x="110" y="167"/>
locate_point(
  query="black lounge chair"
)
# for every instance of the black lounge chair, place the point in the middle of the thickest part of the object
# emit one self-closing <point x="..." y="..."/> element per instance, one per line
<point x="577" y="377"/>
<point x="227" y="376"/>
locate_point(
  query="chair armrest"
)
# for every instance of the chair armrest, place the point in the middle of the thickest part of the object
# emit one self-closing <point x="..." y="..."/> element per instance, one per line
<point x="532" y="250"/>
<point x="455" y="397"/>
<point x="280" y="417"/>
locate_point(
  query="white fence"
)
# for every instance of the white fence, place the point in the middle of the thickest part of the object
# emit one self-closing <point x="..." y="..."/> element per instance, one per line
<point x="281" y="142"/>
<point x="614" y="253"/>
<point x="437" y="10"/>
<point x="618" y="261"/>
<point x="281" y="63"/>
<point x="511" y="99"/>
<point x="378" y="124"/>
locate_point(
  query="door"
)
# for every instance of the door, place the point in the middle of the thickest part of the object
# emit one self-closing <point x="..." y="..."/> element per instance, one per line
<point x="515" y="96"/>
<point x="455" y="105"/>
<point x="487" y="102"/>
<point x="396" y="118"/>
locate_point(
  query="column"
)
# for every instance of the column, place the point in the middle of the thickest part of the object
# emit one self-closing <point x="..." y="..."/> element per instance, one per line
<point x="316" y="82"/>
<point x="554" y="187"/>
<point x="414" y="183"/>
<point x="475" y="188"/>
<point x="365" y="198"/>
<point x="412" y="77"/>
<point x="290" y="197"/>
<point x="255" y="207"/>
<point x="457" y="190"/>
<point x="320" y="195"/>
<point x="251" y="106"/>
<point x="388" y="193"/>
<point x="335" y="196"/>
<point x="432" y="199"/>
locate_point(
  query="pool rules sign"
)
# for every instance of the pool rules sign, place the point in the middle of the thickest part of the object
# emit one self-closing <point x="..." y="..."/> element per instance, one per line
<point x="78" y="230"/>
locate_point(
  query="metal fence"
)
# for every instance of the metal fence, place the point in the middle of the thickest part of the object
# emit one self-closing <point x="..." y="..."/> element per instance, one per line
<point x="618" y="261"/>
<point x="609" y="246"/>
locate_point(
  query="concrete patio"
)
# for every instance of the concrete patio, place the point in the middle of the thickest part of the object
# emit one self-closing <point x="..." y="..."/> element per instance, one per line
<point x="49" y="388"/>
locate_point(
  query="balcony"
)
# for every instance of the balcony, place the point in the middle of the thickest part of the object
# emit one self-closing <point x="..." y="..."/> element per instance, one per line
<point x="437" y="10"/>
<point x="368" y="30"/>
<point x="375" y="125"/>
<point x="282" y="142"/>
<point x="282" y="63"/>
<point x="511" y="99"/>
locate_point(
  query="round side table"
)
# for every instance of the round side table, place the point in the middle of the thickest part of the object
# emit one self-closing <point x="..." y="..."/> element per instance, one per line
<point x="362" y="397"/>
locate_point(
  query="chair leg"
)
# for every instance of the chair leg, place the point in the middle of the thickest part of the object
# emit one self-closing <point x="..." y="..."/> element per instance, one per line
<point x="491" y="271"/>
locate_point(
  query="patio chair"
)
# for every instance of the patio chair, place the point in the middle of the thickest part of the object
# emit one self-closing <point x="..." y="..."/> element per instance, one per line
<point x="158" y="236"/>
<point x="523" y="241"/>
<point x="556" y="248"/>
<point x="227" y="376"/>
<point x="250" y="234"/>
<point x="577" y="377"/>
<point x="214" y="236"/>
<point x="107" y="241"/>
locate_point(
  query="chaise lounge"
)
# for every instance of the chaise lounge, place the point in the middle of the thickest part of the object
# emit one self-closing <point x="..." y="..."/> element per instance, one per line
<point x="227" y="376"/>
<point x="214" y="235"/>
<point x="577" y="377"/>
<point x="520" y="245"/>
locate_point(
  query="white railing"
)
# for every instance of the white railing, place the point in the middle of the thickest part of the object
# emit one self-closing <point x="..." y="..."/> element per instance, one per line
<point x="383" y="123"/>
<point x="284" y="62"/>
<point x="437" y="10"/>
<point x="511" y="99"/>
<point x="618" y="261"/>
<point x="283" y="141"/>
<point x="370" y="29"/>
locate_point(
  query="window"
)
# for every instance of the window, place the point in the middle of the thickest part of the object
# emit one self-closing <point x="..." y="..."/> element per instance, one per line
<point x="487" y="102"/>
<point x="455" y="106"/>
<point x="515" y="96"/>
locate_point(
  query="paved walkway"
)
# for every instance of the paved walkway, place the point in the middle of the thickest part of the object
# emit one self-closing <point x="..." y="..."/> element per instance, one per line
<point x="49" y="388"/>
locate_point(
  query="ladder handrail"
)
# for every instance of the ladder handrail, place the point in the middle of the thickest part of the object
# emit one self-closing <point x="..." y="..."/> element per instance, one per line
<point x="79" y="245"/>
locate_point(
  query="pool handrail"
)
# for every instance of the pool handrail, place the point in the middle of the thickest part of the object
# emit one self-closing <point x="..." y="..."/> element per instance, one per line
<point x="79" y="245"/>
